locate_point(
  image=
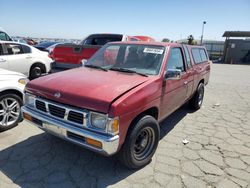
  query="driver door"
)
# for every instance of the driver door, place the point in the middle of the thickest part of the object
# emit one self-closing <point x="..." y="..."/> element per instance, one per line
<point x="174" y="90"/>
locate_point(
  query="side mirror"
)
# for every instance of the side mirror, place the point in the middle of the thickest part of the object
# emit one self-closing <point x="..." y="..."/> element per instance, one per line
<point x="173" y="74"/>
<point x="84" y="61"/>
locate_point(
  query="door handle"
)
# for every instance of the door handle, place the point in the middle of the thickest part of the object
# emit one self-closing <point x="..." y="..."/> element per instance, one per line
<point x="2" y="60"/>
<point x="185" y="83"/>
<point x="28" y="57"/>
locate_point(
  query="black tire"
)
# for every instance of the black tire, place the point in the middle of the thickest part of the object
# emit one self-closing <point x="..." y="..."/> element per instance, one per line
<point x="36" y="71"/>
<point x="130" y="155"/>
<point x="196" y="101"/>
<point x="13" y="122"/>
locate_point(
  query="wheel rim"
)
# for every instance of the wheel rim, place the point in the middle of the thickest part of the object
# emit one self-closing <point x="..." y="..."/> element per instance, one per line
<point x="200" y="97"/>
<point x="37" y="71"/>
<point x="144" y="143"/>
<point x="9" y="111"/>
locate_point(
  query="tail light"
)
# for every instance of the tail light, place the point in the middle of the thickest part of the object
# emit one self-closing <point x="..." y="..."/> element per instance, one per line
<point x="51" y="53"/>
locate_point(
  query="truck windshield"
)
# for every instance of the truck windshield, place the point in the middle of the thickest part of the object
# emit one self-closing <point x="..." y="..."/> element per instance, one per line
<point x="143" y="59"/>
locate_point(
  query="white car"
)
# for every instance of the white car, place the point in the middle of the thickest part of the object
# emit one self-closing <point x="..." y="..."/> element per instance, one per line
<point x="24" y="58"/>
<point x="11" y="98"/>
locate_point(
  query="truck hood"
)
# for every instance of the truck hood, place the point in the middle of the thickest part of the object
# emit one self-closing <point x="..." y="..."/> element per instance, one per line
<point x="86" y="87"/>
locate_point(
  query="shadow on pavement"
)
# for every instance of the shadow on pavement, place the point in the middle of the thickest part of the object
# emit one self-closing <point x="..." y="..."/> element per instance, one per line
<point x="44" y="160"/>
<point x="169" y="123"/>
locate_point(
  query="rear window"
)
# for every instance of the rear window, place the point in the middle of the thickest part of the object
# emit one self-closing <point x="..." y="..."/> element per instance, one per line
<point x="199" y="55"/>
<point x="101" y="39"/>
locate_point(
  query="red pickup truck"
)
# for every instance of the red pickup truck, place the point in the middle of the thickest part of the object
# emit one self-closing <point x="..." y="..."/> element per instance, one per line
<point x="114" y="105"/>
<point x="67" y="56"/>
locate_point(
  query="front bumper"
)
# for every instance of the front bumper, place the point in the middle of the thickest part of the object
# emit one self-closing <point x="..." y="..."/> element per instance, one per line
<point x="73" y="134"/>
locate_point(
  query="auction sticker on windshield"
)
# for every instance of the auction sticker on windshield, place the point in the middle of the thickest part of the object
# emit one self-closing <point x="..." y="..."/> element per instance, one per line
<point x="153" y="50"/>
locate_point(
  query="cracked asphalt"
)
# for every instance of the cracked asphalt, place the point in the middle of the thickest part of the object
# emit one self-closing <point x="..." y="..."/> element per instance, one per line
<point x="217" y="155"/>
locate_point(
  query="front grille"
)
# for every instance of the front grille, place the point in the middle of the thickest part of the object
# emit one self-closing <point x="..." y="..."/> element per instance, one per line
<point x="41" y="106"/>
<point x="75" y="117"/>
<point x="60" y="111"/>
<point x="56" y="111"/>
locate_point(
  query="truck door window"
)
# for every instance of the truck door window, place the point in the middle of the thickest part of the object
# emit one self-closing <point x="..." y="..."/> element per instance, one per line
<point x="187" y="57"/>
<point x="175" y="60"/>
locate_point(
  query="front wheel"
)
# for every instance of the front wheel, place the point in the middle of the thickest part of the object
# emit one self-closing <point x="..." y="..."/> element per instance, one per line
<point x="10" y="111"/>
<point x="36" y="71"/>
<point x="141" y="143"/>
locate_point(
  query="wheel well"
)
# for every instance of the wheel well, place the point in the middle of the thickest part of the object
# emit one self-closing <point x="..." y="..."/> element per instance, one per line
<point x="12" y="91"/>
<point x="202" y="81"/>
<point x="153" y="111"/>
<point x="38" y="64"/>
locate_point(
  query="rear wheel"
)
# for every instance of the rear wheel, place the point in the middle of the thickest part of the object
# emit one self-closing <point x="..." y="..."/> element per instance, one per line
<point x="10" y="111"/>
<point x="36" y="71"/>
<point x="197" y="100"/>
<point x="141" y="143"/>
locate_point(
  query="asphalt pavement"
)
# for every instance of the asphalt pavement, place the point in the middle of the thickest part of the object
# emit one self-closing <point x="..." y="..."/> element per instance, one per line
<point x="217" y="155"/>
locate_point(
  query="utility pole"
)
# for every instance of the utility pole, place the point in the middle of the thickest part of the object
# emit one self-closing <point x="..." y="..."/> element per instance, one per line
<point x="204" y="22"/>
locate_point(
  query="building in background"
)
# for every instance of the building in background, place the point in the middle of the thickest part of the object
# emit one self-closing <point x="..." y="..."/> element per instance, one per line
<point x="237" y="47"/>
<point x="214" y="49"/>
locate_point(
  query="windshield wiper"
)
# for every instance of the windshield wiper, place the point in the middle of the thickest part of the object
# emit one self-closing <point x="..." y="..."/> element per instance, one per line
<point x="96" y="67"/>
<point x="127" y="70"/>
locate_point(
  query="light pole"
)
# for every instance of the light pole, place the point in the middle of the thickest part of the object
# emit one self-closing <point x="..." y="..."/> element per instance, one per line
<point x="204" y="22"/>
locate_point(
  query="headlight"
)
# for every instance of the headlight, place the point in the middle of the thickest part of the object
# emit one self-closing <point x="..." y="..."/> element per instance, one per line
<point x="103" y="123"/>
<point x="98" y="120"/>
<point x="23" y="81"/>
<point x="29" y="99"/>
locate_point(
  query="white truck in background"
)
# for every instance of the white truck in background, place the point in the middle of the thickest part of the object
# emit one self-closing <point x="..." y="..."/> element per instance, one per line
<point x="4" y="36"/>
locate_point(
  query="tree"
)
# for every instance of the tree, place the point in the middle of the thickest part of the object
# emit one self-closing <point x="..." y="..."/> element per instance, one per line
<point x="165" y="40"/>
<point x="190" y="40"/>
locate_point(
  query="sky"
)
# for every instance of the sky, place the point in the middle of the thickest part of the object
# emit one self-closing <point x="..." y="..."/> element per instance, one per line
<point x="75" y="19"/>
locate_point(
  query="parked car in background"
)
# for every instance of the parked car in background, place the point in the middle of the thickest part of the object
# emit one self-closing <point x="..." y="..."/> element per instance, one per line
<point x="145" y="38"/>
<point x="31" y="41"/>
<point x="115" y="102"/>
<point x="4" y="36"/>
<point x="20" y="40"/>
<point x="45" y="46"/>
<point x="67" y="56"/>
<point x="11" y="98"/>
<point x="24" y="59"/>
